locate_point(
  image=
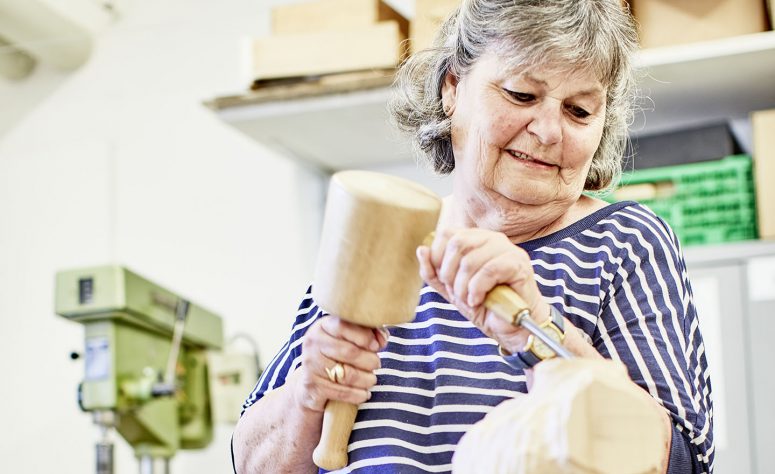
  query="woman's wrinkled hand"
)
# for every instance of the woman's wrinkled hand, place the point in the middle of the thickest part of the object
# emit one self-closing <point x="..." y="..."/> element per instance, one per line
<point x="463" y="265"/>
<point x="332" y="340"/>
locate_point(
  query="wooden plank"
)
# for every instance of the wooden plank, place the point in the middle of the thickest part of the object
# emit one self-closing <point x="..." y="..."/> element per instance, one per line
<point x="376" y="47"/>
<point x="664" y="22"/>
<point x="312" y="86"/>
<point x="333" y="15"/>
<point x="386" y="13"/>
<point x="429" y="15"/>
<point x="763" y="123"/>
<point x="771" y="10"/>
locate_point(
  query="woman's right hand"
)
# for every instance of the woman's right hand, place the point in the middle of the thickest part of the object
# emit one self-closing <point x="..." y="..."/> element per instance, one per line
<point x="332" y="340"/>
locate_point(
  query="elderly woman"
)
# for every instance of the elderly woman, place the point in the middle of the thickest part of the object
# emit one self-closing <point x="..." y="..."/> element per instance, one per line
<point x="527" y="103"/>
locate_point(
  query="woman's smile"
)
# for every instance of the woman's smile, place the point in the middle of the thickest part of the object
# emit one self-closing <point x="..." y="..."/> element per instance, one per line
<point x="530" y="161"/>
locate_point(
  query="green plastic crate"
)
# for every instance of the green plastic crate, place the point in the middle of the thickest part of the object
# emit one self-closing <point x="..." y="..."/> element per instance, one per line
<point x="704" y="203"/>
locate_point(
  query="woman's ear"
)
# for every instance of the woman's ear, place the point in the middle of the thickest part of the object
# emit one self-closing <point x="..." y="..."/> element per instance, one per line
<point x="449" y="93"/>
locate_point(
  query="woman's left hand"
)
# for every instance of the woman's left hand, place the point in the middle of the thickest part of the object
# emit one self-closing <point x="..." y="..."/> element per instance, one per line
<point x="464" y="265"/>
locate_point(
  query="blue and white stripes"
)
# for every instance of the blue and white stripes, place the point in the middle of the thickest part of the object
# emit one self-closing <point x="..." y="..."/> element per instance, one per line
<point x="617" y="275"/>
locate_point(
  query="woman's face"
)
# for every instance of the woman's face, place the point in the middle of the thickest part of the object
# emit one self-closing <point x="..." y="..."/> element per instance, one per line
<point x="524" y="140"/>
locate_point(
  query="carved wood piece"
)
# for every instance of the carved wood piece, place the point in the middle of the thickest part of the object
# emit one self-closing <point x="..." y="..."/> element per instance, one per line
<point x="582" y="416"/>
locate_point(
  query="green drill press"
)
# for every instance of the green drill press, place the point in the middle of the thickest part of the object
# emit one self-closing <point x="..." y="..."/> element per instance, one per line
<point x="145" y="363"/>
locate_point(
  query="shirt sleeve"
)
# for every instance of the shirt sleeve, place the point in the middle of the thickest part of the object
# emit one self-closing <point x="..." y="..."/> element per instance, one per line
<point x="682" y="459"/>
<point x="649" y="322"/>
<point x="288" y="358"/>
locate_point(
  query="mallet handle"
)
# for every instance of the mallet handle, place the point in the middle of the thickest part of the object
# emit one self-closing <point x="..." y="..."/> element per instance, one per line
<point x="338" y="420"/>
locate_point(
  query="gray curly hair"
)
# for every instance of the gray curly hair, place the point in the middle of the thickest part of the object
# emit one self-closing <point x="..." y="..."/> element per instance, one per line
<point x="593" y="35"/>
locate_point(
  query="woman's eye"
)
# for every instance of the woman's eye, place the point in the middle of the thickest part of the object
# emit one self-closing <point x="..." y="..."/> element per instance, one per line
<point x="578" y="112"/>
<point x="521" y="96"/>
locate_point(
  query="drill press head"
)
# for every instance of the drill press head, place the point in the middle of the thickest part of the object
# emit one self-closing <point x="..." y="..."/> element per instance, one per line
<point x="130" y="323"/>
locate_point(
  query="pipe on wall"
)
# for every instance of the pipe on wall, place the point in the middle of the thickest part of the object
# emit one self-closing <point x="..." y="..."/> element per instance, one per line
<point x="15" y="64"/>
<point x="51" y="37"/>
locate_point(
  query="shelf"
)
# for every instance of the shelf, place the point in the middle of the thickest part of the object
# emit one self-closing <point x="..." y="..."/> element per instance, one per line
<point x="333" y="127"/>
<point x="708" y="81"/>
<point x="700" y="256"/>
<point x="346" y="125"/>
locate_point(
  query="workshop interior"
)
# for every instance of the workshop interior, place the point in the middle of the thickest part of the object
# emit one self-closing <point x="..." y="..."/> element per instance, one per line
<point x="164" y="170"/>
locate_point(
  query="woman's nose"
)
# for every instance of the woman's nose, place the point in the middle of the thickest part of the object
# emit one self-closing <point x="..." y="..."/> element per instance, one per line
<point x="546" y="123"/>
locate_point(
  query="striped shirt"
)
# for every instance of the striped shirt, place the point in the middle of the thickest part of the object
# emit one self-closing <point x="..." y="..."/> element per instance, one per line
<point x="618" y="275"/>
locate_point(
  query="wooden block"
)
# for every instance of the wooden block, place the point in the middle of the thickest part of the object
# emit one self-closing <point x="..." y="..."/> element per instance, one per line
<point x="428" y="17"/>
<point x="667" y="22"/>
<point x="375" y="47"/>
<point x="333" y="15"/>
<point x="764" y="170"/>
<point x="581" y="416"/>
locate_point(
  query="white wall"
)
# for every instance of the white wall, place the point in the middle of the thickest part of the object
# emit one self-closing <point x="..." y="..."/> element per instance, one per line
<point x="119" y="162"/>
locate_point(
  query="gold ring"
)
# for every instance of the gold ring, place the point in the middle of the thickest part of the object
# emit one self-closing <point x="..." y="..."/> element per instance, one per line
<point x="335" y="373"/>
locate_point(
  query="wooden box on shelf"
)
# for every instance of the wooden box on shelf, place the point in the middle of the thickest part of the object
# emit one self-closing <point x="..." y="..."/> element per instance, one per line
<point x="668" y="22"/>
<point x="428" y="17"/>
<point x="333" y="15"/>
<point x="763" y="123"/>
<point x="330" y="36"/>
<point x="374" y="47"/>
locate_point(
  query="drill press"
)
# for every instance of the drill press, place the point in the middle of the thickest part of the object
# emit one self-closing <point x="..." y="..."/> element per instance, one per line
<point x="145" y="363"/>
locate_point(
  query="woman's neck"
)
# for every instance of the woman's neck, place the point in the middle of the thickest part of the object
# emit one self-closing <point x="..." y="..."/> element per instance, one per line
<point x="518" y="226"/>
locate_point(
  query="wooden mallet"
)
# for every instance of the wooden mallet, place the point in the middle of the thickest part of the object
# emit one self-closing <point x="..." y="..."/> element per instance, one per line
<point x="367" y="273"/>
<point x="367" y="270"/>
